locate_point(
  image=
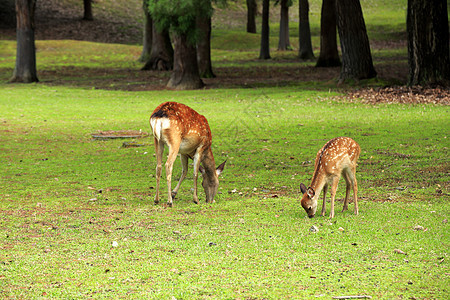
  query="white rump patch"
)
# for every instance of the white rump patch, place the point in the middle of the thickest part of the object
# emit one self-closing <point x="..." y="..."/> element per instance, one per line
<point x="158" y="125"/>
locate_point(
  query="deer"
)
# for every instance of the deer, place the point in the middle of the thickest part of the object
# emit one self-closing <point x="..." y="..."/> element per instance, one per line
<point x="186" y="132"/>
<point x="337" y="157"/>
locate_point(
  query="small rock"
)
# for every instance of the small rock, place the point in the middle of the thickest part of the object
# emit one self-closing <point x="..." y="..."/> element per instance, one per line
<point x="115" y="244"/>
<point x="399" y="251"/>
<point x="314" y="229"/>
<point x="418" y="227"/>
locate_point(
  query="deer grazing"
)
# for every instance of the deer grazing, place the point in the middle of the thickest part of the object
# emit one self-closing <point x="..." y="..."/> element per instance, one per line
<point x="337" y="157"/>
<point x="186" y="132"/>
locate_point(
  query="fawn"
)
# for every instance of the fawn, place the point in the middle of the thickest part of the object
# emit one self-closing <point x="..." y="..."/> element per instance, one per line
<point x="186" y="132"/>
<point x="337" y="157"/>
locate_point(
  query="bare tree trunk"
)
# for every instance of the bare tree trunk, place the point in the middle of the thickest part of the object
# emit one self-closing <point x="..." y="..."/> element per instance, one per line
<point x="356" y="57"/>
<point x="148" y="33"/>
<point x="329" y="56"/>
<point x="428" y="42"/>
<point x="185" y="75"/>
<point x="283" y="40"/>
<point x="25" y="69"/>
<point x="305" y="46"/>
<point x="88" y="10"/>
<point x="252" y="9"/>
<point x="161" y="56"/>
<point x="264" y="52"/>
<point x="204" y="47"/>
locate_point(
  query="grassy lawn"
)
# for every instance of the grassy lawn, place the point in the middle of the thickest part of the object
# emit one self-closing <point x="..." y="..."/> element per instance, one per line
<point x="66" y="198"/>
<point x="77" y="218"/>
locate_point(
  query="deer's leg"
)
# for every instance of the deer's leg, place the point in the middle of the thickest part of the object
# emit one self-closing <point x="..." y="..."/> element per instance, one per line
<point x="352" y="176"/>
<point x="325" y="190"/>
<point x="196" y="168"/>
<point x="334" y="185"/>
<point x="159" y="147"/>
<point x="173" y="152"/>
<point x="348" y="182"/>
<point x="184" y="166"/>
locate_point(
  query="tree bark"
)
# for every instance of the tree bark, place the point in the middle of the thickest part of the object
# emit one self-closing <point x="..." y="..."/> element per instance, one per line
<point x="264" y="52"/>
<point x="25" y="68"/>
<point x="88" y="10"/>
<point x="161" y="56"/>
<point x="428" y="42"/>
<point x="204" y="47"/>
<point x="305" y="45"/>
<point x="356" y="57"/>
<point x="185" y="75"/>
<point x="283" y="40"/>
<point x="329" y="56"/>
<point x="148" y="33"/>
<point x="252" y="9"/>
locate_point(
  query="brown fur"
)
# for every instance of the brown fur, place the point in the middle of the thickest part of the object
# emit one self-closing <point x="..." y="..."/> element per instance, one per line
<point x="337" y="157"/>
<point x="186" y="132"/>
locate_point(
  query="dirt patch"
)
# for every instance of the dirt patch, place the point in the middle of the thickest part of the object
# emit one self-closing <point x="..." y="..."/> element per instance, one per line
<point x="121" y="134"/>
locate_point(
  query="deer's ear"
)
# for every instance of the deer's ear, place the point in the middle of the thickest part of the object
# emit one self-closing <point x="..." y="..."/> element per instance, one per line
<point x="219" y="169"/>
<point x="302" y="188"/>
<point x="310" y="192"/>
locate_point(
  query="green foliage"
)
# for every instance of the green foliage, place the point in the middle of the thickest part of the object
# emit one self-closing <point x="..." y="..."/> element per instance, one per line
<point x="180" y="15"/>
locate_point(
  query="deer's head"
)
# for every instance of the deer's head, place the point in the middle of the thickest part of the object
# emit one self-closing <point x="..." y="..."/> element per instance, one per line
<point x="210" y="181"/>
<point x="309" y="203"/>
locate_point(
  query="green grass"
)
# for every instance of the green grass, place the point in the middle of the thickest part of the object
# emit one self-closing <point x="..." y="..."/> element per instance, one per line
<point x="57" y="229"/>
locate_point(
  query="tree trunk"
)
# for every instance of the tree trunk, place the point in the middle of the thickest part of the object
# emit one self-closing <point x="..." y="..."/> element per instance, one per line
<point x="204" y="47"/>
<point x="329" y="56"/>
<point x="25" y="69"/>
<point x="428" y="42"/>
<point x="356" y="57"/>
<point x="88" y="10"/>
<point x="283" y="40"/>
<point x="185" y="75"/>
<point x="252" y="9"/>
<point x="305" y="50"/>
<point x="264" y="52"/>
<point x="161" y="56"/>
<point x="148" y="33"/>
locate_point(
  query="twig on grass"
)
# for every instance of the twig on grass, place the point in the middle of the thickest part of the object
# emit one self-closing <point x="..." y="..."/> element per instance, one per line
<point x="353" y="297"/>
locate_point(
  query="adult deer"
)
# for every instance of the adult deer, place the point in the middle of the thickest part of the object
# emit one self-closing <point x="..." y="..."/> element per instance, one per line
<point x="337" y="157"/>
<point x="186" y="132"/>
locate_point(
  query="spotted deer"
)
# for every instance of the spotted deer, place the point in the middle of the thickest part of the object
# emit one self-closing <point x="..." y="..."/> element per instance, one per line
<point x="186" y="132"/>
<point x="337" y="157"/>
